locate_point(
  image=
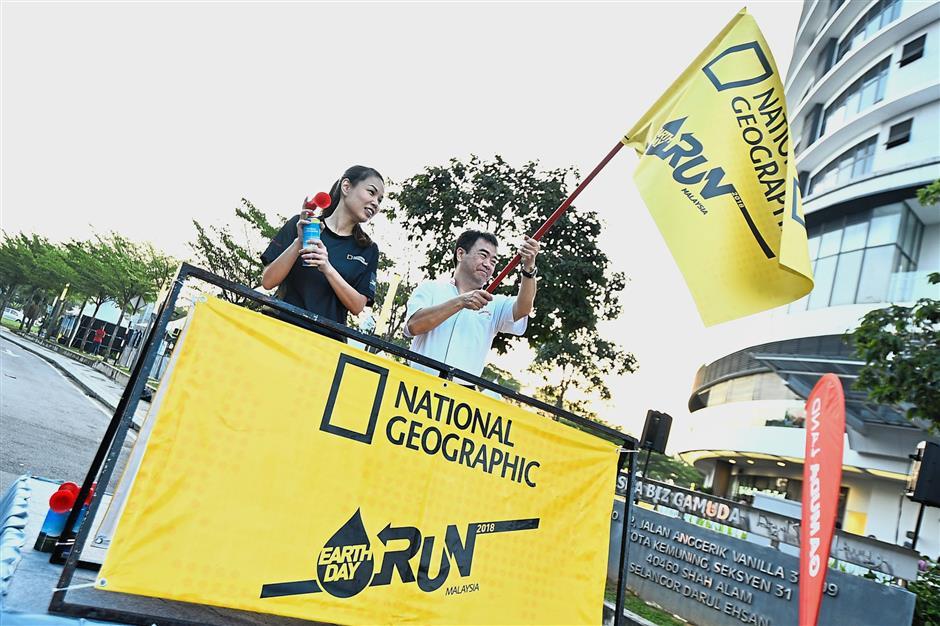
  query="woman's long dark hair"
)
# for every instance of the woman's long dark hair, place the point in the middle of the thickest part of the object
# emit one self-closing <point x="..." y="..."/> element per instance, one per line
<point x="355" y="175"/>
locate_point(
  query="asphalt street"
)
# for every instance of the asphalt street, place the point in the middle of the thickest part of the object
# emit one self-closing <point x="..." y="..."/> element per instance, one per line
<point x="48" y="426"/>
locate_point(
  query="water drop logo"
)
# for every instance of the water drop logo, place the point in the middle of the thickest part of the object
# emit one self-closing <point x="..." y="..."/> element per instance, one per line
<point x="345" y="564"/>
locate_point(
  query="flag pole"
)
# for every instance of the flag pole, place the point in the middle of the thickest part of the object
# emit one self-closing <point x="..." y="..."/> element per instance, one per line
<point x="554" y="216"/>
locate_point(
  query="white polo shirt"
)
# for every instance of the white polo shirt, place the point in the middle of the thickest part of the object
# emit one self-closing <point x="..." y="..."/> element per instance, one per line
<point x="465" y="338"/>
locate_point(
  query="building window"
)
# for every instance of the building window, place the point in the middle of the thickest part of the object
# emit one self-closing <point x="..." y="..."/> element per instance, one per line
<point x="913" y="50"/>
<point x="827" y="57"/>
<point x="763" y="386"/>
<point x="811" y="125"/>
<point x="899" y="133"/>
<point x="853" y="163"/>
<point x="880" y="15"/>
<point x="802" y="179"/>
<point x="856" y="257"/>
<point x="860" y="95"/>
<point x="833" y="7"/>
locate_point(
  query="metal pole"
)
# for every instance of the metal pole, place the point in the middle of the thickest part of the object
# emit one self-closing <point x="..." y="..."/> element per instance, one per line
<point x="554" y="216"/>
<point x="920" y="518"/>
<point x="625" y="534"/>
<point x="107" y="454"/>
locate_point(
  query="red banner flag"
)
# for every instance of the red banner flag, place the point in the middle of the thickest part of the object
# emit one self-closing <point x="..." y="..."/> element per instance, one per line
<point x="822" y="475"/>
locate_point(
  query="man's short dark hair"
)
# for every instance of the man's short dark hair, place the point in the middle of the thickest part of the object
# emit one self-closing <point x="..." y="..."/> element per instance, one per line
<point x="468" y="239"/>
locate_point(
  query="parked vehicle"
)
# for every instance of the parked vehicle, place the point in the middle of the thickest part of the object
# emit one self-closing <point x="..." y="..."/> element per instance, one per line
<point x="13" y="314"/>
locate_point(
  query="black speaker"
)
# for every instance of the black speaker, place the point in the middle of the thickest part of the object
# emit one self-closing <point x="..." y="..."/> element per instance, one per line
<point x="656" y="431"/>
<point x="923" y="485"/>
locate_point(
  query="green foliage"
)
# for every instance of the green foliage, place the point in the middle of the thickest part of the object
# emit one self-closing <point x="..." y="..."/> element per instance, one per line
<point x="927" y="590"/>
<point x="553" y="394"/>
<point x="576" y="290"/>
<point x="667" y="468"/>
<point x="501" y="377"/>
<point x="15" y="255"/>
<point x="136" y="274"/>
<point x="929" y="195"/>
<point x="34" y="270"/>
<point x="94" y="265"/>
<point x="236" y="257"/>
<point x="901" y="350"/>
<point x="110" y="267"/>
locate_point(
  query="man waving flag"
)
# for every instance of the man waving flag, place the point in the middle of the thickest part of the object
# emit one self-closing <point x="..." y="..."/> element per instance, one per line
<point x="717" y="174"/>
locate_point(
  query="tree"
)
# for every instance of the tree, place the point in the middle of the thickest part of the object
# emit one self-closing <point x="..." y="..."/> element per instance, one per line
<point x="94" y="264"/>
<point x="901" y="349"/>
<point x="15" y="258"/>
<point x="581" y="362"/>
<point x="929" y="195"/>
<point x="236" y="258"/>
<point x="130" y="281"/>
<point x="927" y="590"/>
<point x="37" y="268"/>
<point x="670" y="469"/>
<point x="501" y="377"/>
<point x="51" y="273"/>
<point x="576" y="290"/>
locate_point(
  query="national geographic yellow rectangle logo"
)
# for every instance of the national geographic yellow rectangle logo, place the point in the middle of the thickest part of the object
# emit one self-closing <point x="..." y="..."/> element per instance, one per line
<point x="355" y="399"/>
<point x="290" y="474"/>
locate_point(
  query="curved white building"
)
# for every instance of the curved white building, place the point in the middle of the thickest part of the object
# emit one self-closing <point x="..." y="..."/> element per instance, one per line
<point x="864" y="98"/>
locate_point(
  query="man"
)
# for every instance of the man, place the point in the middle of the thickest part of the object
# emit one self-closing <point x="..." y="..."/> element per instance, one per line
<point x="454" y="320"/>
<point x="98" y="338"/>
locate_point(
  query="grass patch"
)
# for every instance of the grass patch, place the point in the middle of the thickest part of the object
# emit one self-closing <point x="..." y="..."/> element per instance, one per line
<point x="657" y="616"/>
<point x="635" y="604"/>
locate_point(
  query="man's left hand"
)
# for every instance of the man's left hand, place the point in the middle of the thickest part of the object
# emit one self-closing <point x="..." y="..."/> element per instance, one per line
<point x="528" y="251"/>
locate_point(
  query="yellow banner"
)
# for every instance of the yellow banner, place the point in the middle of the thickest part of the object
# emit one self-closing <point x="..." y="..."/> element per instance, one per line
<point x="291" y="474"/>
<point x="717" y="174"/>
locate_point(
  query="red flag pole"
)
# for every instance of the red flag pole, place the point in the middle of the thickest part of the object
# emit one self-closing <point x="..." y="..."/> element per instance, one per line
<point x="554" y="216"/>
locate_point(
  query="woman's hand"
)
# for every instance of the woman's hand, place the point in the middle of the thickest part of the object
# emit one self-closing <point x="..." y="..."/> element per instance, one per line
<point x="305" y="216"/>
<point x="316" y="255"/>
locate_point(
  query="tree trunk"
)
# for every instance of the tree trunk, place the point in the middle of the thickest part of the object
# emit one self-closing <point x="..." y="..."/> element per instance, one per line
<point x="114" y="335"/>
<point x="7" y="296"/>
<point x="50" y="323"/>
<point x="78" y="322"/>
<point x="26" y="315"/>
<point x="94" y="316"/>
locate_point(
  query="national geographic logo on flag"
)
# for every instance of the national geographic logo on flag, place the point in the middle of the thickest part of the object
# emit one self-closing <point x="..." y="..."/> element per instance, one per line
<point x="345" y="564"/>
<point x="764" y="134"/>
<point x="738" y="66"/>
<point x="716" y="175"/>
<point x="449" y="427"/>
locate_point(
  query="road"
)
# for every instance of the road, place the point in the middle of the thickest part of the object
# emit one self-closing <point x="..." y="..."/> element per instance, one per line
<point x="48" y="427"/>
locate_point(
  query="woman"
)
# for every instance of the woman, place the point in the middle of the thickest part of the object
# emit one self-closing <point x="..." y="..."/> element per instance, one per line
<point x="335" y="275"/>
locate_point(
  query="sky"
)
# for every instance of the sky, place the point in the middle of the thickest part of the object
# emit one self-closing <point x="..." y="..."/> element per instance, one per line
<point x="138" y="117"/>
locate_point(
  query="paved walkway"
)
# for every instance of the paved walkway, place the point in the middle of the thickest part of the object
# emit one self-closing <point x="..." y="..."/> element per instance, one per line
<point x="93" y="382"/>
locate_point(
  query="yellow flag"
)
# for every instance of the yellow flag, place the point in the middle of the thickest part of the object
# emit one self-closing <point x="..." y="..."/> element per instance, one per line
<point x="290" y="474"/>
<point x="717" y="174"/>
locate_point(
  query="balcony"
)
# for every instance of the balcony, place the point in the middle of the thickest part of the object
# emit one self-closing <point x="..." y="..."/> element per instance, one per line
<point x="811" y="158"/>
<point x="912" y="175"/>
<point x="839" y="75"/>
